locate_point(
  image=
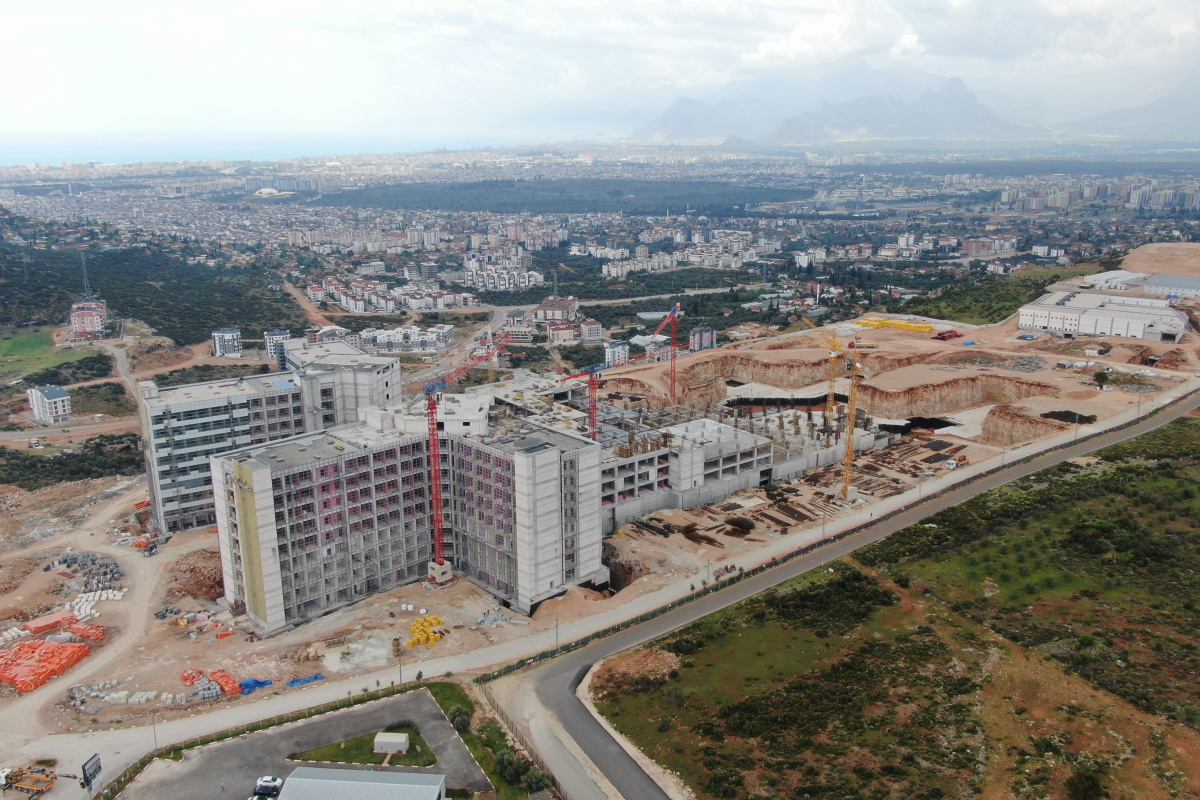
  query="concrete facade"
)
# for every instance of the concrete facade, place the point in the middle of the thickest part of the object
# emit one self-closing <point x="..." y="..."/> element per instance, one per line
<point x="1071" y="314"/>
<point x="51" y="405"/>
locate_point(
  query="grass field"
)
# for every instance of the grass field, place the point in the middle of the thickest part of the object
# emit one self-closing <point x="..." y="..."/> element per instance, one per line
<point x="803" y="692"/>
<point x="361" y="750"/>
<point x="31" y="350"/>
<point x="1044" y="642"/>
<point x="102" y="398"/>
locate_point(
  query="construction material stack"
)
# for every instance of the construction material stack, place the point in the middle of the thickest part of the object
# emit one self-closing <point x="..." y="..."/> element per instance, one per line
<point x="423" y="631"/>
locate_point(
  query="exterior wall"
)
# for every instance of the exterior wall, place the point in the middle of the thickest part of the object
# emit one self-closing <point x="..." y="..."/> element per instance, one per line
<point x="182" y="436"/>
<point x="49" y="410"/>
<point x="301" y="541"/>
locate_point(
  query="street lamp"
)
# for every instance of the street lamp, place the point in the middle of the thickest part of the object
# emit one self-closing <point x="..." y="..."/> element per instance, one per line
<point x="556" y="631"/>
<point x="400" y="666"/>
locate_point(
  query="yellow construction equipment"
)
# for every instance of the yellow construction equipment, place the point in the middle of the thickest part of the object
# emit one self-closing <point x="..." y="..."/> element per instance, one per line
<point x="857" y="373"/>
<point x="835" y="357"/>
<point x="899" y="324"/>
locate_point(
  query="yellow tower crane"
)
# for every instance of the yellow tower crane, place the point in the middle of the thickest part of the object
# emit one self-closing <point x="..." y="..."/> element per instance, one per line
<point x="856" y="372"/>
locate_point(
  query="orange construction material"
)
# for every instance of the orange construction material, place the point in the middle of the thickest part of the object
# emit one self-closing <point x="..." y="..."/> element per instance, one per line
<point x="141" y="544"/>
<point x="140" y="504"/>
<point x="224" y="634"/>
<point x="28" y="665"/>
<point x="84" y="631"/>
<point x="192" y="676"/>
<point x="223" y="679"/>
<point x="50" y="622"/>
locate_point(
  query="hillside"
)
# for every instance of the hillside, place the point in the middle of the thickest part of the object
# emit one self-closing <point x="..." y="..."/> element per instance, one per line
<point x="182" y="301"/>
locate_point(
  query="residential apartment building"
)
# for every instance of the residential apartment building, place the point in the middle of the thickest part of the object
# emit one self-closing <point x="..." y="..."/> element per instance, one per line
<point x="87" y="320"/>
<point x="323" y="520"/>
<point x="51" y="405"/>
<point x="184" y="426"/>
<point x="227" y="343"/>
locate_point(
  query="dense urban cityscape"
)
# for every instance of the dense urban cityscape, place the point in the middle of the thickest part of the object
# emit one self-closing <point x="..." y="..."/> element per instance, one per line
<point x="759" y="401"/>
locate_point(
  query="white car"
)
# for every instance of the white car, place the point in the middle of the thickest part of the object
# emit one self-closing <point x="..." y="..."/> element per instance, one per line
<point x="268" y="786"/>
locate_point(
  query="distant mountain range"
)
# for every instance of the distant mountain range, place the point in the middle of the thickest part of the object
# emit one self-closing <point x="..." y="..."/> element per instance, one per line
<point x="754" y="109"/>
<point x="865" y="103"/>
<point x="1174" y="117"/>
<point x="951" y="111"/>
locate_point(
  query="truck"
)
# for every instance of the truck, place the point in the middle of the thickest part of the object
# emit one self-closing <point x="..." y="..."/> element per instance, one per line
<point x="34" y="781"/>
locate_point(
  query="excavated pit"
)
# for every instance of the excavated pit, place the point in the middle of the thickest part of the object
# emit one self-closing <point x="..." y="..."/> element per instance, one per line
<point x="1005" y="426"/>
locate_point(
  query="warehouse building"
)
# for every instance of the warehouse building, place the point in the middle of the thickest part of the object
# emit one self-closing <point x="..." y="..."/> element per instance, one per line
<point x="1072" y="314"/>
<point x="1173" y="286"/>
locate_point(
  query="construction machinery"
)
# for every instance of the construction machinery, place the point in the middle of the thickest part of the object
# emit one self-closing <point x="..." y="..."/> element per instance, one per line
<point x="592" y="373"/>
<point x="842" y="361"/>
<point x="34" y="781"/>
<point x="439" y="571"/>
<point x="945" y="336"/>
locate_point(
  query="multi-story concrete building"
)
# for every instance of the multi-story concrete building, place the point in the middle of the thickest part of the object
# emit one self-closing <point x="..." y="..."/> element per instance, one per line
<point x="184" y="426"/>
<point x="616" y="352"/>
<point x="322" y="520"/>
<point x="703" y="338"/>
<point x="590" y="331"/>
<point x="88" y="319"/>
<point x="51" y="405"/>
<point x="227" y="343"/>
<point x="273" y="344"/>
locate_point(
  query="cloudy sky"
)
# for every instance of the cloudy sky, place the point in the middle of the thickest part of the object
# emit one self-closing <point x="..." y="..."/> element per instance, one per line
<point x="126" y="79"/>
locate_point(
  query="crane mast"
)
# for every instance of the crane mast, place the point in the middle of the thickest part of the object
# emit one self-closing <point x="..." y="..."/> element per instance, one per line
<point x="592" y="373"/>
<point x="439" y="570"/>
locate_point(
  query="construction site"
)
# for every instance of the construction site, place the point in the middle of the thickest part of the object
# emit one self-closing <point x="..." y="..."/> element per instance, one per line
<point x="675" y="470"/>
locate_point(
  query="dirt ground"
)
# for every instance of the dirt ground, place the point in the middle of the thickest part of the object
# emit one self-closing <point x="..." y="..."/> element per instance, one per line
<point x="1172" y="258"/>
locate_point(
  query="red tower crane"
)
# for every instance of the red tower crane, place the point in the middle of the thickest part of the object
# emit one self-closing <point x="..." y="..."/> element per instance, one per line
<point x="438" y="570"/>
<point x="593" y="375"/>
<point x="673" y="318"/>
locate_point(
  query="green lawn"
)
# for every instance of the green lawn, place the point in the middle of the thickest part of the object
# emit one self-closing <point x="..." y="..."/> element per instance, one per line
<point x="34" y="350"/>
<point x="1097" y="566"/>
<point x="361" y="750"/>
<point x="484" y="745"/>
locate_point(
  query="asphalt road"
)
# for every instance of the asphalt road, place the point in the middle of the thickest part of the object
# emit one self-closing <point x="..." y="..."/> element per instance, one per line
<point x="556" y="681"/>
<point x="237" y="763"/>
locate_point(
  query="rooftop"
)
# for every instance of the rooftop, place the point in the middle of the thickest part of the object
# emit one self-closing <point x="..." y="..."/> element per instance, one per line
<point x="220" y="390"/>
<point x="1174" y="282"/>
<point x="317" y="783"/>
<point x="53" y="392"/>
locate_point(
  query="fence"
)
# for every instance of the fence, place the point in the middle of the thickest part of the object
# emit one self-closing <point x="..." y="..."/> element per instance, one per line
<point x="133" y="770"/>
<point x="774" y="562"/>
<point x="118" y="785"/>
<point x="530" y="751"/>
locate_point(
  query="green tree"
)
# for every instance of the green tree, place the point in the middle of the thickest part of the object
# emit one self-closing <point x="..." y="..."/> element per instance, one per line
<point x="1087" y="783"/>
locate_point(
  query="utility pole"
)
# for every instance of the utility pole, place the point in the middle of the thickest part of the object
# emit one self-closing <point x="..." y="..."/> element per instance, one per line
<point x="556" y="631"/>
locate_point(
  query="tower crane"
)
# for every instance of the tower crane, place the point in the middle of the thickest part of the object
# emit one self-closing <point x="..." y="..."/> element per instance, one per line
<point x="439" y="570"/>
<point x="856" y="373"/>
<point x="593" y="375"/>
<point x="673" y="318"/>
<point x="836" y="354"/>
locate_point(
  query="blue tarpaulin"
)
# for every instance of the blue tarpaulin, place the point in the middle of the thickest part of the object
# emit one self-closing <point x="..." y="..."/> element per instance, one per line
<point x="309" y="679"/>
<point x="251" y="684"/>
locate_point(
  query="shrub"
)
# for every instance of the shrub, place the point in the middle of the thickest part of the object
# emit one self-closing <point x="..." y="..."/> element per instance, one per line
<point x="535" y="780"/>
<point x="459" y="717"/>
<point x="511" y="766"/>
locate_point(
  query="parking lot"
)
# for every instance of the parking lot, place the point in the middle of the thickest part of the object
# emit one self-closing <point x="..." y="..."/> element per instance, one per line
<point x="236" y="764"/>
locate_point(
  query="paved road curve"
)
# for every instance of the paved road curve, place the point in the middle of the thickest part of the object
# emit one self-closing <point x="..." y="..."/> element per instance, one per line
<point x="556" y="681"/>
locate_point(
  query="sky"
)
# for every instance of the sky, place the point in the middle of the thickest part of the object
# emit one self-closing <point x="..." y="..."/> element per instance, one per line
<point x="129" y="80"/>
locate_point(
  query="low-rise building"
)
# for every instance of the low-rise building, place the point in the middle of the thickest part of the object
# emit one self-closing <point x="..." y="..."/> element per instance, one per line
<point x="88" y="320"/>
<point x="616" y="352"/>
<point x="227" y="343"/>
<point x="1072" y="314"/>
<point x="590" y="331"/>
<point x="51" y="405"/>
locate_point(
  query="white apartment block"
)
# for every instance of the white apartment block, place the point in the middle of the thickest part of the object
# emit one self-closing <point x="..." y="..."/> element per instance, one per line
<point x="227" y="343"/>
<point x="183" y="426"/>
<point x="51" y="405"/>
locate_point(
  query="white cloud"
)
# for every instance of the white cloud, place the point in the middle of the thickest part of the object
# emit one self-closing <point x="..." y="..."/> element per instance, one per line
<point x="419" y="69"/>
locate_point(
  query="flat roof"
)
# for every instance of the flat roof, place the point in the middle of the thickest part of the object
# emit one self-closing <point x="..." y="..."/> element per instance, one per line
<point x="220" y="390"/>
<point x="310" y="448"/>
<point x="317" y="783"/>
<point x="1173" y="282"/>
<point x="1111" y="302"/>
